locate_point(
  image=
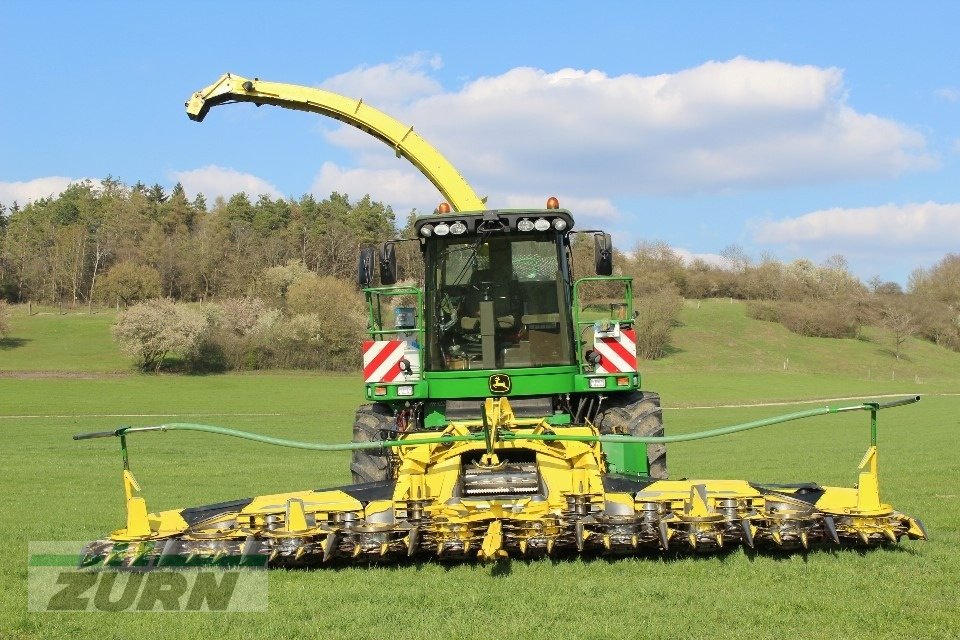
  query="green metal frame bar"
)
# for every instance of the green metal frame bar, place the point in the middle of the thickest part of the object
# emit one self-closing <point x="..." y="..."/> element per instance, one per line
<point x="579" y="324"/>
<point x="375" y="329"/>
<point x="872" y="407"/>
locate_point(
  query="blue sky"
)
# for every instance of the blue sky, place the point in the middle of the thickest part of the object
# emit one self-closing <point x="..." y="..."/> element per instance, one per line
<point x="790" y="129"/>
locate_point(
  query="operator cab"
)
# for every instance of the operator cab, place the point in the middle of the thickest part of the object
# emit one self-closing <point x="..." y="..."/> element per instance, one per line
<point x="498" y="300"/>
<point x="497" y="289"/>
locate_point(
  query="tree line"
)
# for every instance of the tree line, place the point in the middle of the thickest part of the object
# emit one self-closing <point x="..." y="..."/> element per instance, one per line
<point x="114" y="244"/>
<point x="822" y="300"/>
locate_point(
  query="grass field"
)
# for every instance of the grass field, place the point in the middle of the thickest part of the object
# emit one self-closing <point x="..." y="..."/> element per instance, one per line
<point x="75" y="342"/>
<point x="57" y="489"/>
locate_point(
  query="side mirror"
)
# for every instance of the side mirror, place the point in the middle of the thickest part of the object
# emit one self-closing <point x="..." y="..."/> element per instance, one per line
<point x="603" y="254"/>
<point x="365" y="268"/>
<point x="388" y="264"/>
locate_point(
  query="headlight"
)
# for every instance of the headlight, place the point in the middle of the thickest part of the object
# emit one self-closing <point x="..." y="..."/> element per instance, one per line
<point x="559" y="224"/>
<point x="542" y="224"/>
<point x="598" y="383"/>
<point x="442" y="229"/>
<point x="405" y="390"/>
<point x="426" y="230"/>
<point x="524" y="225"/>
<point x="458" y="228"/>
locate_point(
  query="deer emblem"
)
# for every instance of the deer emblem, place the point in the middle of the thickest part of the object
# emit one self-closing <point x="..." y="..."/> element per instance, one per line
<point x="500" y="383"/>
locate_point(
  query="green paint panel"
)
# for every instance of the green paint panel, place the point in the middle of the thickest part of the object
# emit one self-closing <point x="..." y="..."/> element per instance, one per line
<point x="525" y="382"/>
<point x="625" y="457"/>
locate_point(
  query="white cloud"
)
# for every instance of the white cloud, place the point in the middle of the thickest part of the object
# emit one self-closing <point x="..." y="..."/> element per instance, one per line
<point x="215" y="181"/>
<point x="387" y="84"/>
<point x="928" y="226"/>
<point x="404" y="188"/>
<point x="712" y="259"/>
<point x="949" y="94"/>
<point x="29" y="190"/>
<point x="738" y="124"/>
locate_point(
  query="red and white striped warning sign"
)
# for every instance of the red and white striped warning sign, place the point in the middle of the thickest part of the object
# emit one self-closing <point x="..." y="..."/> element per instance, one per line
<point x="618" y="353"/>
<point x="381" y="360"/>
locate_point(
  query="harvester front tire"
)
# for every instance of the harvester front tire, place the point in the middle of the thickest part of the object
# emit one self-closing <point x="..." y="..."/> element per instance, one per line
<point x="371" y="465"/>
<point x="637" y="414"/>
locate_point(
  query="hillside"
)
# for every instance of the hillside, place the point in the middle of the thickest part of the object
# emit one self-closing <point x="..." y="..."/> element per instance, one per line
<point x="720" y="358"/>
<point x="715" y="340"/>
<point x="721" y="351"/>
<point x="47" y="341"/>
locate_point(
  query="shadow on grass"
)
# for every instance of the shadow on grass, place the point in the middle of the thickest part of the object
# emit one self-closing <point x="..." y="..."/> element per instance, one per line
<point x="893" y="354"/>
<point x="13" y="343"/>
<point x="828" y="550"/>
<point x="671" y="350"/>
<point x="503" y="567"/>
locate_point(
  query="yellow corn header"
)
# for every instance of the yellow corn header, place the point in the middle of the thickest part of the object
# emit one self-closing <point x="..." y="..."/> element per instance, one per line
<point x="505" y="486"/>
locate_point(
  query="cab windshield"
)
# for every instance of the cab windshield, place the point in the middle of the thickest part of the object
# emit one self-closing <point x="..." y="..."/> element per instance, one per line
<point x="497" y="302"/>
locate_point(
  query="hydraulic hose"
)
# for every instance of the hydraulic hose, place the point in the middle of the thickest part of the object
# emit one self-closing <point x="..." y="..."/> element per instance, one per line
<point x="503" y="434"/>
<point x="281" y="442"/>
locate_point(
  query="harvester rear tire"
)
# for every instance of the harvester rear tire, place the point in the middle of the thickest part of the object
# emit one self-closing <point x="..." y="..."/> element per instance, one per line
<point x="371" y="465"/>
<point x="636" y="414"/>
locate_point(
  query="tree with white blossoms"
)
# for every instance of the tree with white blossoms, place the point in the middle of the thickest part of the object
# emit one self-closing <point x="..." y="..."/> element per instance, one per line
<point x="152" y="330"/>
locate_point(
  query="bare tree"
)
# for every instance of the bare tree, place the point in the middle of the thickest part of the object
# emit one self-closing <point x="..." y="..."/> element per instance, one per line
<point x="898" y="320"/>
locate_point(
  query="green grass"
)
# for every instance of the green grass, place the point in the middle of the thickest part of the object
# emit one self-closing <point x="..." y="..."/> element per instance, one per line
<point x="718" y="338"/>
<point x="47" y="341"/>
<point x="56" y="489"/>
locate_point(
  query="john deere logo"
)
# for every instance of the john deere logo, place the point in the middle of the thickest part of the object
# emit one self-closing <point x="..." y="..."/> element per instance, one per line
<point x="500" y="383"/>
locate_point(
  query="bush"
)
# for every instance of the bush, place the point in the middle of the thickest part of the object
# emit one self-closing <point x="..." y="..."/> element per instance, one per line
<point x="239" y="316"/>
<point x="821" y="318"/>
<point x="274" y="282"/>
<point x="657" y="314"/>
<point x="298" y="342"/>
<point x="336" y="312"/>
<point x="763" y="310"/>
<point x="323" y="330"/>
<point x="239" y="335"/>
<point x="4" y="318"/>
<point x="704" y="281"/>
<point x="152" y="330"/>
<point x="937" y="322"/>
<point x="941" y="282"/>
